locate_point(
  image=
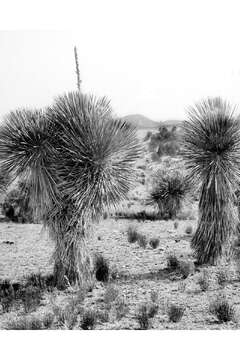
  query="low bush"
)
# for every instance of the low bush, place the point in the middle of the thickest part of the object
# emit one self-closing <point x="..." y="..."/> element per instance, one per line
<point x="132" y="234"/>
<point x="154" y="296"/>
<point x="175" y="312"/>
<point x="204" y="280"/>
<point x="142" y="241"/>
<point x="176" y="224"/>
<point x="103" y="316"/>
<point x="88" y="320"/>
<point x="121" y="308"/>
<point x="101" y="267"/>
<point x="222" y="277"/>
<point x="186" y="268"/>
<point x="154" y="243"/>
<point x="7" y="295"/>
<point x="222" y="310"/>
<point x="31" y="298"/>
<point x="25" y="323"/>
<point x="172" y="262"/>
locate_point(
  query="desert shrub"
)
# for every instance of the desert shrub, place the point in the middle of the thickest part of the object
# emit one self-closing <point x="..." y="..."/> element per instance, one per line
<point x="67" y="316"/>
<point x="185" y="268"/>
<point x="154" y="296"/>
<point x="16" y="204"/>
<point x="182" y="286"/>
<point x="222" y="277"/>
<point x="111" y="294"/>
<point x="169" y="190"/>
<point x="169" y="148"/>
<point x="152" y="310"/>
<point x="101" y="266"/>
<point x="147" y="136"/>
<point x="142" y="317"/>
<point x="172" y="262"/>
<point x="145" y="313"/>
<point x="176" y="224"/>
<point x="25" y="323"/>
<point x="30" y="297"/>
<point x="7" y="295"/>
<point x="204" y="280"/>
<point x="175" y="312"/>
<point x="189" y="230"/>
<point x="222" y="310"/>
<point x="88" y="320"/>
<point x="40" y="281"/>
<point x="132" y="234"/>
<point x="142" y="241"/>
<point x="47" y="320"/>
<point x="103" y="316"/>
<point x="121" y="308"/>
<point x="154" y="243"/>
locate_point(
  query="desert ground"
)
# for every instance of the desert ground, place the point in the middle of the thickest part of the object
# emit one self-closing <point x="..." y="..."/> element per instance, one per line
<point x="141" y="273"/>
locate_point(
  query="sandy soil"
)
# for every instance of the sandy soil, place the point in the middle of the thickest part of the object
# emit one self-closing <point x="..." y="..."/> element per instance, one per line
<point x="140" y="271"/>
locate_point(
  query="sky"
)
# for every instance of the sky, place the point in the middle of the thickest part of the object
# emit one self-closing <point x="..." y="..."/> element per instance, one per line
<point x="154" y="58"/>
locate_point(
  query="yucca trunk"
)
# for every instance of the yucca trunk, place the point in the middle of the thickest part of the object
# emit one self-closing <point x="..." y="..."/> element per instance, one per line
<point x="72" y="260"/>
<point x="217" y="220"/>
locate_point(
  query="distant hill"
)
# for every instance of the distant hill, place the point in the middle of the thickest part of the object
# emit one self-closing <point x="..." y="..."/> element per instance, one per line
<point x="140" y="121"/>
<point x="172" y="122"/>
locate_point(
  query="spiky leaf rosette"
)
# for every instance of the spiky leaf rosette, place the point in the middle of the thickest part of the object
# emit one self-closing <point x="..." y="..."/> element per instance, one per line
<point x="97" y="153"/>
<point x="26" y="149"/>
<point x="211" y="149"/>
<point x="170" y="188"/>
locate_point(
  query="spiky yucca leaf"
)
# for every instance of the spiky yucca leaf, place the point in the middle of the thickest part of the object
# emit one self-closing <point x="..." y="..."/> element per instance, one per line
<point x="97" y="153"/>
<point x="212" y="153"/>
<point x="169" y="190"/>
<point x="26" y="150"/>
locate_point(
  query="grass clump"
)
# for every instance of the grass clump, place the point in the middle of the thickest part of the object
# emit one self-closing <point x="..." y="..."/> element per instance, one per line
<point x="144" y="314"/>
<point x="154" y="243"/>
<point x="222" y="277"/>
<point x="175" y="312"/>
<point x="101" y="267"/>
<point x="88" y="320"/>
<point x="172" y="262"/>
<point x="204" y="280"/>
<point x="7" y="295"/>
<point x="132" y="234"/>
<point x="142" y="241"/>
<point x="222" y="310"/>
<point x="121" y="308"/>
<point x="176" y="224"/>
<point x="25" y="323"/>
<point x="185" y="268"/>
<point x="31" y="298"/>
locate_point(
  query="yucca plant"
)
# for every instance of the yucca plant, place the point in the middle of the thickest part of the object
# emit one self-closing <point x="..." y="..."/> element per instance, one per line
<point x="78" y="161"/>
<point x="168" y="192"/>
<point x="211" y="148"/>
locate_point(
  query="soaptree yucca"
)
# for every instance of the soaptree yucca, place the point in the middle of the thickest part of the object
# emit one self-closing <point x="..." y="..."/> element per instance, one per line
<point x="78" y="161"/>
<point x="169" y="190"/>
<point x="212" y="153"/>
